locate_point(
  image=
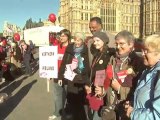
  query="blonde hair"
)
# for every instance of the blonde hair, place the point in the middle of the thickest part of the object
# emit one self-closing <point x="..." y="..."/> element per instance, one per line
<point x="80" y="35"/>
<point x="153" y="42"/>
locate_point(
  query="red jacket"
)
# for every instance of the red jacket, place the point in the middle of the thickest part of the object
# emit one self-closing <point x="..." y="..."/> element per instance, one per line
<point x="61" y="51"/>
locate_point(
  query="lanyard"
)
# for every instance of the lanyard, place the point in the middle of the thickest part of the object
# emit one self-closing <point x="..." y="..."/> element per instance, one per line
<point x="96" y="60"/>
<point x="123" y="62"/>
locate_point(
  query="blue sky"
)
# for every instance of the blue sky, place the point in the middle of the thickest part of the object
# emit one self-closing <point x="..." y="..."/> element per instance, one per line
<point x="18" y="11"/>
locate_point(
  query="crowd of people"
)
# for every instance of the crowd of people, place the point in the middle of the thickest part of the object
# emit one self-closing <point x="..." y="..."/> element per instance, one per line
<point x="13" y="56"/>
<point x="103" y="78"/>
<point x="100" y="77"/>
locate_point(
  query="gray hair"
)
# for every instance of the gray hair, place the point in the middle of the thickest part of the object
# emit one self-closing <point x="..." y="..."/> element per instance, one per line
<point x="80" y="35"/>
<point x="128" y="36"/>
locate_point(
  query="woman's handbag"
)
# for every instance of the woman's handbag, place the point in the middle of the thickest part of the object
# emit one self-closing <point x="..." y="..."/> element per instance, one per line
<point x="94" y="102"/>
<point x="108" y="113"/>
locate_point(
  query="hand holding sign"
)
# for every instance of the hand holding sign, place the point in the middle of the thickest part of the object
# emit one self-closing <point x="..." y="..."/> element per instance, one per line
<point x="115" y="85"/>
<point x="123" y="74"/>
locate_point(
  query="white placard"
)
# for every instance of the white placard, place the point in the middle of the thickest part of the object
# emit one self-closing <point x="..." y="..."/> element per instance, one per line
<point x="48" y="62"/>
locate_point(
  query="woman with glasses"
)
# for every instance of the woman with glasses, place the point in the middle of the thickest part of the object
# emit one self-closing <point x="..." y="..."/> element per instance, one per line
<point x="74" y="73"/>
<point x="147" y="95"/>
<point x="125" y="67"/>
<point x="60" y="91"/>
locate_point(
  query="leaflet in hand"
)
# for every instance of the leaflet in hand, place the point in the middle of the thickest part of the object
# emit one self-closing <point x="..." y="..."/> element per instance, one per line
<point x="74" y="63"/>
<point x="69" y="74"/>
<point x="100" y="77"/>
<point x="122" y="75"/>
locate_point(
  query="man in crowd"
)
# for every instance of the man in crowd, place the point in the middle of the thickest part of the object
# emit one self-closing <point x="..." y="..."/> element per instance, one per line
<point x="95" y="25"/>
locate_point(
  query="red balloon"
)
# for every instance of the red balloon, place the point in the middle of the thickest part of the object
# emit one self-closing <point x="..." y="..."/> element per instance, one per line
<point x="16" y="37"/>
<point x="52" y="17"/>
<point x="4" y="42"/>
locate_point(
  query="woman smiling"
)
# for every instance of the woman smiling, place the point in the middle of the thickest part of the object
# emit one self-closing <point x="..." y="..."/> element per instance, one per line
<point x="74" y="72"/>
<point x="147" y="95"/>
<point x="99" y="64"/>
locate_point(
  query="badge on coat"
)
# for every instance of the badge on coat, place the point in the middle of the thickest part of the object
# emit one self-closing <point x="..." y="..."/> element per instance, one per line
<point x="101" y="61"/>
<point x="130" y="71"/>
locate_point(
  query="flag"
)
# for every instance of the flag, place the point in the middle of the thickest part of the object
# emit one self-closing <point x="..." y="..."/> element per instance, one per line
<point x="109" y="76"/>
<point x="122" y="75"/>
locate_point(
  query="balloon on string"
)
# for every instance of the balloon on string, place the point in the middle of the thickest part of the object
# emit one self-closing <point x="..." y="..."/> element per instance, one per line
<point x="4" y="42"/>
<point x="16" y="37"/>
<point x="52" y="17"/>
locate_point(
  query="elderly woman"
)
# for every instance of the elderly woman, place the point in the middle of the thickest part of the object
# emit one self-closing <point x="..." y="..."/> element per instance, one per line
<point x="74" y="72"/>
<point x="126" y="67"/>
<point x="147" y="93"/>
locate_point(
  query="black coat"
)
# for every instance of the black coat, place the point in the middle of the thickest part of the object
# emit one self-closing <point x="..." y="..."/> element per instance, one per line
<point x="18" y="55"/>
<point x="27" y="54"/>
<point x="81" y="78"/>
<point x="100" y="62"/>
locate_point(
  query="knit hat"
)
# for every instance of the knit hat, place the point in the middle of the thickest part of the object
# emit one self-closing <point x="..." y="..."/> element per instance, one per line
<point x="101" y="35"/>
<point x="80" y="35"/>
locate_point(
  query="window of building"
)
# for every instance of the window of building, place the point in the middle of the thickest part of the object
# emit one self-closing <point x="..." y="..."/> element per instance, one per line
<point x="86" y="16"/>
<point x="125" y="9"/>
<point x="91" y="15"/>
<point x="82" y="16"/>
<point x="158" y="5"/>
<point x="86" y="7"/>
<point x="147" y="7"/>
<point x="101" y="11"/>
<point x="158" y="13"/>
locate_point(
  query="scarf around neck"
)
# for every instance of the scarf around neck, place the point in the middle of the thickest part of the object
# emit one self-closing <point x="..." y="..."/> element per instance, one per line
<point x="77" y="51"/>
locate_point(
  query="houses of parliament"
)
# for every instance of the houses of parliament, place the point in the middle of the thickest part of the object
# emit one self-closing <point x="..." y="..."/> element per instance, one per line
<point x="141" y="17"/>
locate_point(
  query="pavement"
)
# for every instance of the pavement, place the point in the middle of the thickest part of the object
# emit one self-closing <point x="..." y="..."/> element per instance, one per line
<point x="28" y="98"/>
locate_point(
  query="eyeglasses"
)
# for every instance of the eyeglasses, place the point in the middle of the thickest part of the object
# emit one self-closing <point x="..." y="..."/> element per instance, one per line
<point x="121" y="44"/>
